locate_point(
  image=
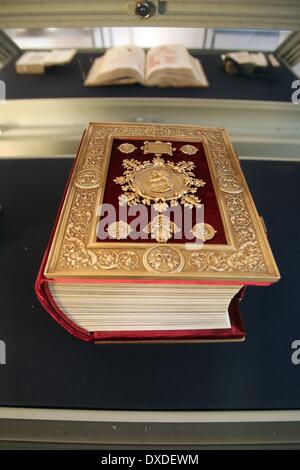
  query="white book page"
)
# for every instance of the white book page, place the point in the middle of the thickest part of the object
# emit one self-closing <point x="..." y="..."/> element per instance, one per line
<point x="259" y="59"/>
<point x="172" y="56"/>
<point x="123" y="57"/>
<point x="242" y="57"/>
<point x="47" y="57"/>
<point x="33" y="58"/>
<point x="60" y="56"/>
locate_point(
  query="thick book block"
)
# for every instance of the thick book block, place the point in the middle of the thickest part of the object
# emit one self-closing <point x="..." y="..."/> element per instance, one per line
<point x="156" y="237"/>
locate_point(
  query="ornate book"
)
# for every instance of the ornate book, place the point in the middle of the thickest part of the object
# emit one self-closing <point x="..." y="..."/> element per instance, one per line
<point x="156" y="238"/>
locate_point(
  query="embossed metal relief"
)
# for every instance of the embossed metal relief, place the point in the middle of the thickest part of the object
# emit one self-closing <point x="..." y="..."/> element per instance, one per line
<point x="161" y="228"/>
<point x="230" y="184"/>
<point x="87" y="179"/>
<point x="160" y="182"/>
<point x="158" y="148"/>
<point x="163" y="259"/>
<point x="127" y="148"/>
<point x="189" y="149"/>
<point x="119" y="230"/>
<point x="71" y="253"/>
<point x="203" y="231"/>
<point x="163" y="184"/>
<point x="76" y="256"/>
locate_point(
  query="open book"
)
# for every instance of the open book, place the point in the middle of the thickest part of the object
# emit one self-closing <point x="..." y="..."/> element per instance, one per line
<point x="165" y="66"/>
<point x="35" y="62"/>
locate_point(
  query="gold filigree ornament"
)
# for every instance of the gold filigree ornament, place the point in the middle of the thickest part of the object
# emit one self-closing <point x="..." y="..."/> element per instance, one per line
<point x="203" y="231"/>
<point x="160" y="183"/>
<point x="127" y="148"/>
<point x="161" y="228"/>
<point x="119" y="230"/>
<point x="189" y="149"/>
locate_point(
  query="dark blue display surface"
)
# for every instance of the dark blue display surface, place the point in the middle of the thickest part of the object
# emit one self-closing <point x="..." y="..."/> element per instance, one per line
<point x="47" y="367"/>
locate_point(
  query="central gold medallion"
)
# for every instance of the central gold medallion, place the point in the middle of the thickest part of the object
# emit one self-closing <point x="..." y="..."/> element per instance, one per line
<point x="157" y="182"/>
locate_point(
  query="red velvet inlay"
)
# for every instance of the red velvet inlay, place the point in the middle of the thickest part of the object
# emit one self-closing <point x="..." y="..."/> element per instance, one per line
<point x="206" y="194"/>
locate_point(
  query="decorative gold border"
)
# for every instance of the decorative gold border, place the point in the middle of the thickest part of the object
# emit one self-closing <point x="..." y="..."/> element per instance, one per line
<point x="75" y="253"/>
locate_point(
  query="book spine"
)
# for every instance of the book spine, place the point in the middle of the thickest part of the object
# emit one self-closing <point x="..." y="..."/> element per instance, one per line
<point x="41" y="284"/>
<point x="44" y="295"/>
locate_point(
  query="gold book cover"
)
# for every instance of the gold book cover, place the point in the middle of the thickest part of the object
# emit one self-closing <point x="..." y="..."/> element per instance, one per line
<point x="156" y="237"/>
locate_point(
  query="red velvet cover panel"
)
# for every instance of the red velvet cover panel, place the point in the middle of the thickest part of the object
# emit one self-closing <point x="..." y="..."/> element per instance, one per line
<point x="212" y="214"/>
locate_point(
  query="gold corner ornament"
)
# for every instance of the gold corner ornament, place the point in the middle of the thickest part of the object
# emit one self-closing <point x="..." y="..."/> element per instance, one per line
<point x="203" y="231"/>
<point x="127" y="148"/>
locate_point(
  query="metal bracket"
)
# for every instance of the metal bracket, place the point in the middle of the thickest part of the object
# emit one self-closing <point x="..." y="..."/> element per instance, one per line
<point x="132" y="8"/>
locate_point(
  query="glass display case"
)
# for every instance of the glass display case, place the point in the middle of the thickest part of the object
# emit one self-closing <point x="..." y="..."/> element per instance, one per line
<point x="59" y="393"/>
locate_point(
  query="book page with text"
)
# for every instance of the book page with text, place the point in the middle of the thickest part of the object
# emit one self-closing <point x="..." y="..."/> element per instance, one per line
<point x="124" y="57"/>
<point x="173" y="56"/>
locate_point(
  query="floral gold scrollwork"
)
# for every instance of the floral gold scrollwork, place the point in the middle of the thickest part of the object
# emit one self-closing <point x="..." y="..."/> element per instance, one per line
<point x="245" y="234"/>
<point x="75" y="255"/>
<point x="198" y="261"/>
<point x="247" y="259"/>
<point x="76" y="229"/>
<point x="81" y="215"/>
<point x="128" y="260"/>
<point x="95" y="152"/>
<point x="217" y="261"/>
<point x="107" y="259"/>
